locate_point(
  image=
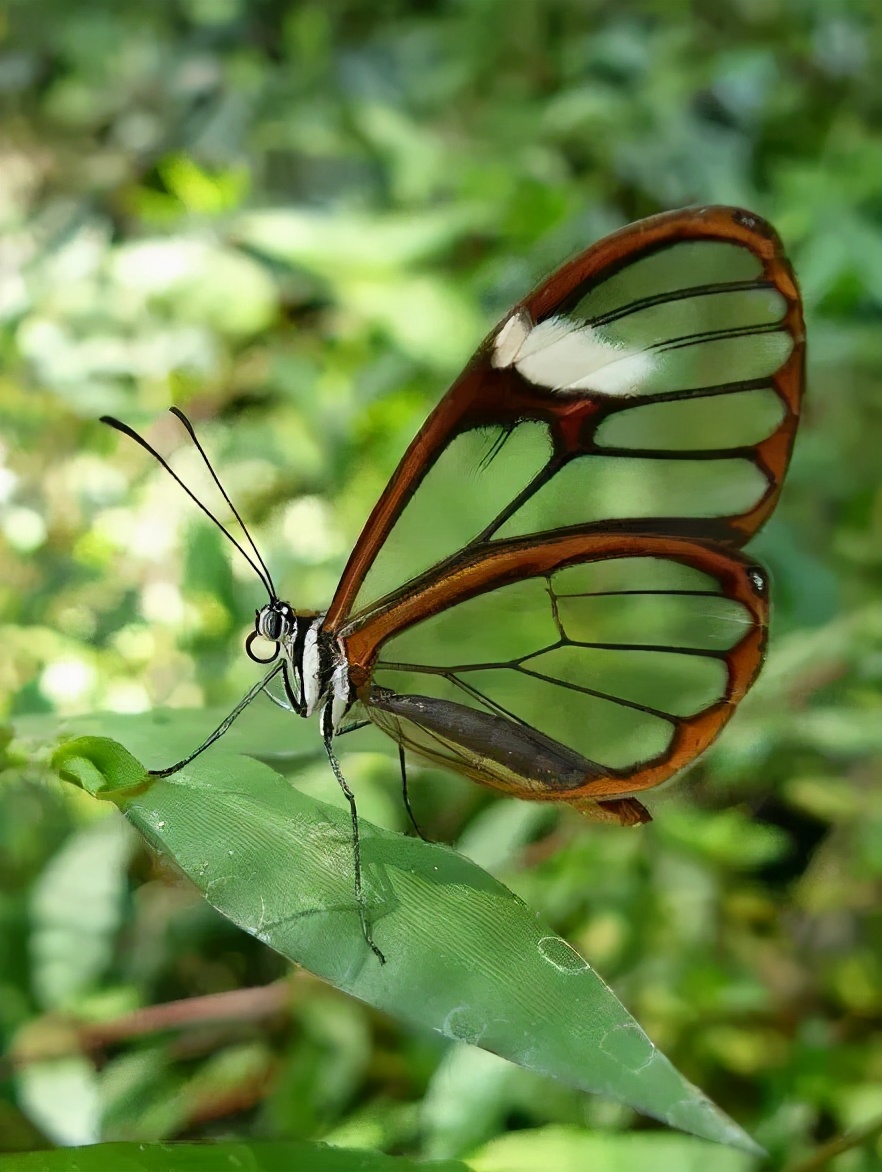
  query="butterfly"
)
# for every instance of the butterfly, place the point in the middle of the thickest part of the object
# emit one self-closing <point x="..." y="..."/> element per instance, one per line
<point x="550" y="596"/>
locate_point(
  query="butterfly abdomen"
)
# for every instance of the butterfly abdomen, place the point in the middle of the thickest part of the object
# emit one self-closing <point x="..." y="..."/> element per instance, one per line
<point x="504" y="753"/>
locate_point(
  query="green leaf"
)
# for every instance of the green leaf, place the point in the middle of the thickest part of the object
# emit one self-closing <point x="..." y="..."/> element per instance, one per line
<point x="568" y="1150"/>
<point x="256" y="1157"/>
<point x="465" y="957"/>
<point x="164" y="735"/>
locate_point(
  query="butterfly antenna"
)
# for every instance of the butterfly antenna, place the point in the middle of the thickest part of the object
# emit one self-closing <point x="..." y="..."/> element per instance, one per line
<point x="260" y="570"/>
<point x="199" y="448"/>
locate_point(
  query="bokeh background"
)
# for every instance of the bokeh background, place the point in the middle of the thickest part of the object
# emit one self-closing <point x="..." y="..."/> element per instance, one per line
<point x="296" y="220"/>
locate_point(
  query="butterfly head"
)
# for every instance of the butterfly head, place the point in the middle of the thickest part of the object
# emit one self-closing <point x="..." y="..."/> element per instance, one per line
<point x="275" y="622"/>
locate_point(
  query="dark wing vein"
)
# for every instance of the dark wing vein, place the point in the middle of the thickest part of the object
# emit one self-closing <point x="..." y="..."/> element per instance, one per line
<point x="677" y="650"/>
<point x="742" y="452"/>
<point x="620" y="593"/>
<point x="570" y="686"/>
<point x="747" y="384"/>
<point x="496" y="447"/>
<point x="428" y="669"/>
<point x="604" y="319"/>
<point x="542" y="477"/>
<point x="773" y="327"/>
<point x="488" y="703"/>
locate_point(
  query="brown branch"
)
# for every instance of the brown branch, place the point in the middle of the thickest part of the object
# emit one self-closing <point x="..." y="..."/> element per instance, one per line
<point x="843" y="1143"/>
<point x="236" y="1005"/>
<point x="206" y="1108"/>
<point x="55" y="1037"/>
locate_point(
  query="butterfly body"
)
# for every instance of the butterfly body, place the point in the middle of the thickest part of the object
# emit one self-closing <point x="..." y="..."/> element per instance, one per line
<point x="313" y="663"/>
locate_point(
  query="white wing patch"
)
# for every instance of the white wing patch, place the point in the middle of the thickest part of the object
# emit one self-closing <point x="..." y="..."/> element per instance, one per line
<point x="510" y="339"/>
<point x="565" y="357"/>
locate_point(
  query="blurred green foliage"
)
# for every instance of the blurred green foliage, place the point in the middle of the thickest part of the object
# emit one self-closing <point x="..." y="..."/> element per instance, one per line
<point x="295" y="220"/>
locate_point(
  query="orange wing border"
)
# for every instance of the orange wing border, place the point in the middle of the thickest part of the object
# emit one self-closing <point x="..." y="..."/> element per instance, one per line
<point x="740" y="579"/>
<point x="484" y="395"/>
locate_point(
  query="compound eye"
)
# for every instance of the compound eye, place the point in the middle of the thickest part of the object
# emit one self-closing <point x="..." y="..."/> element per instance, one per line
<point x="268" y="624"/>
<point x="273" y="625"/>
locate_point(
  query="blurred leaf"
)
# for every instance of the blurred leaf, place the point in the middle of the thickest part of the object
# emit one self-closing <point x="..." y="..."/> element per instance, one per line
<point x="342" y="245"/>
<point x="60" y="1095"/>
<point x="728" y="837"/>
<point x="193" y="278"/>
<point x="430" y="321"/>
<point x="466" y="1101"/>
<point x="461" y="950"/>
<point x="215" y="1157"/>
<point x="76" y="909"/>
<point x="200" y="191"/>
<point x="569" y="1150"/>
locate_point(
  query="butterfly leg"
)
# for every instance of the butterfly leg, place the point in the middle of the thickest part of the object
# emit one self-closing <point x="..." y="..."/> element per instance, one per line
<point x="350" y="728"/>
<point x="223" y="726"/>
<point x="406" y="796"/>
<point x="280" y="703"/>
<point x="327" y="736"/>
<point x="291" y="701"/>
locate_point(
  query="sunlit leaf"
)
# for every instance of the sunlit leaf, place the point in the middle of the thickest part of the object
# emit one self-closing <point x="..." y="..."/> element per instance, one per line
<point x="569" y="1150"/>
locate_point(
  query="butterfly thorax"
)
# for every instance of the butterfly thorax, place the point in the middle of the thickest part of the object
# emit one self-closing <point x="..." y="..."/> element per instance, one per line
<point x="315" y="670"/>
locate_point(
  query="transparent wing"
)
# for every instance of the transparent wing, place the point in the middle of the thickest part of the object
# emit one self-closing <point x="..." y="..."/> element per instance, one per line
<point x="652" y="385"/>
<point x="579" y="670"/>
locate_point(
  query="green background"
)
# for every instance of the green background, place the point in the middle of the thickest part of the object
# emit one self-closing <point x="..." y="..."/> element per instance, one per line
<point x="296" y="221"/>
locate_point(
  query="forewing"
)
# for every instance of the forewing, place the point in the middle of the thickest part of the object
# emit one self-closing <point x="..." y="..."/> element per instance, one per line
<point x="582" y="669"/>
<point x="651" y="385"/>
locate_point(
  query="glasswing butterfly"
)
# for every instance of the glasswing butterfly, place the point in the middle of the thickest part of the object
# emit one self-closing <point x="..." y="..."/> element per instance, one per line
<point x="549" y="597"/>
